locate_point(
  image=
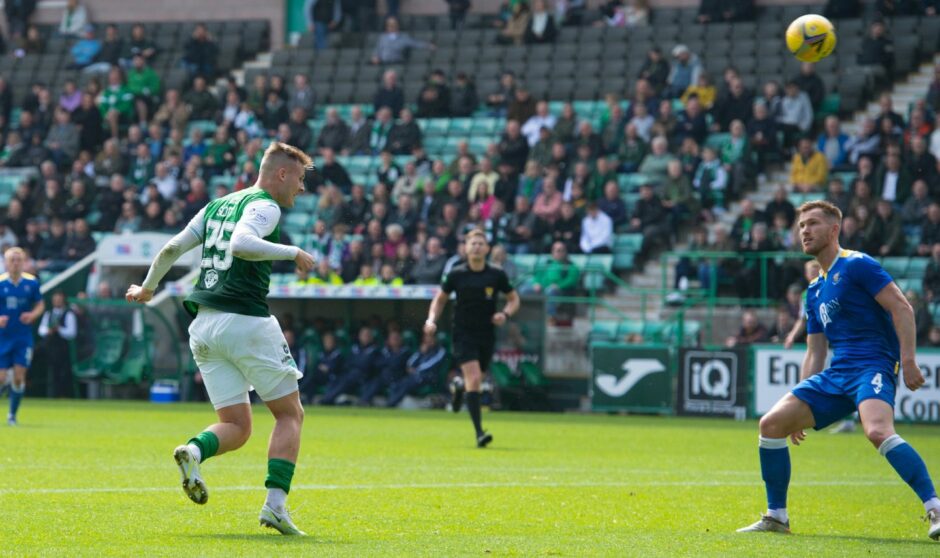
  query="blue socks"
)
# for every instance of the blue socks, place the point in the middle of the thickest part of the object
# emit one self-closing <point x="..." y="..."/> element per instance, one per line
<point x="775" y="470"/>
<point x="16" y="395"/>
<point x="909" y="465"/>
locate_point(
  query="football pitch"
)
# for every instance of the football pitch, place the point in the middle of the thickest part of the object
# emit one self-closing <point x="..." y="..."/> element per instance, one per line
<point x="98" y="479"/>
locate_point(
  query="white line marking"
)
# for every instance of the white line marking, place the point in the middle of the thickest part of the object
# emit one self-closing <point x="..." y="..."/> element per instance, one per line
<point x="418" y="486"/>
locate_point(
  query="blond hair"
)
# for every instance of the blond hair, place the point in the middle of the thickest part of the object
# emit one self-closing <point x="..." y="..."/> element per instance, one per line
<point x="827" y="208"/>
<point x="475" y="233"/>
<point x="13" y="250"/>
<point x="277" y="152"/>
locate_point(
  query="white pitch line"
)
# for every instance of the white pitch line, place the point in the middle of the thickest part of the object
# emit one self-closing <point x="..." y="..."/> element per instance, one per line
<point x="418" y="486"/>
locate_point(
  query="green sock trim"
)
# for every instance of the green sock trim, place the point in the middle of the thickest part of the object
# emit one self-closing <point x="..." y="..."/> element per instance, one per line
<point x="208" y="444"/>
<point x="280" y="473"/>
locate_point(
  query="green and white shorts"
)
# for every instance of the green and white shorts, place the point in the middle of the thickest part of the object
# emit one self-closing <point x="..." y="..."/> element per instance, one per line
<point x="237" y="353"/>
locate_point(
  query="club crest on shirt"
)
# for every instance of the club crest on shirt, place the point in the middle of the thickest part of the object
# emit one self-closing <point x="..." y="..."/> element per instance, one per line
<point x="835" y="278"/>
<point x="489" y="292"/>
<point x="210" y="279"/>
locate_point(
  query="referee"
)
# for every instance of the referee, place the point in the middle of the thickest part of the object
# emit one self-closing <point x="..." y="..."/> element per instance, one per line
<point x="476" y="284"/>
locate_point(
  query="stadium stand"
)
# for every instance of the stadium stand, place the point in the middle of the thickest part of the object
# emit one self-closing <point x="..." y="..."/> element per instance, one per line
<point x="471" y="97"/>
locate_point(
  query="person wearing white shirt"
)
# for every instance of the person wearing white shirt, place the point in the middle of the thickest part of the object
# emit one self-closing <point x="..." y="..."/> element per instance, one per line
<point x="57" y="328"/>
<point x="74" y="19"/>
<point x="597" y="231"/>
<point x="541" y="119"/>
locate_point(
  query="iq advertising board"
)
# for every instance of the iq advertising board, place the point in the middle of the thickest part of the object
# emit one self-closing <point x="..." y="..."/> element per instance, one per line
<point x="712" y="383"/>
<point x="777" y="371"/>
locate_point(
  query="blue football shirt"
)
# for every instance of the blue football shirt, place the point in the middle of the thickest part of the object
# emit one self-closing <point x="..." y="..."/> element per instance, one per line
<point x="15" y="299"/>
<point x="841" y="304"/>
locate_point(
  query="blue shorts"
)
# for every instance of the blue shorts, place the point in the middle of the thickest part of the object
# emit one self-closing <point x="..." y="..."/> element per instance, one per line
<point x="16" y="352"/>
<point x="833" y="394"/>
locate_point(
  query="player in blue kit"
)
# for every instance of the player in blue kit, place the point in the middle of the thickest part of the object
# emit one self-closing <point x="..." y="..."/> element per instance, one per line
<point x="854" y="307"/>
<point x="20" y="306"/>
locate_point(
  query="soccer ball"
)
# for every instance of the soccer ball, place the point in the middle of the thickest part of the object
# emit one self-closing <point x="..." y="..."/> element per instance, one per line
<point x="811" y="38"/>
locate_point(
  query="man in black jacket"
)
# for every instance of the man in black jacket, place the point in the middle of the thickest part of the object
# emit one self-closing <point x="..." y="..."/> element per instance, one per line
<point x="423" y="368"/>
<point x="392" y="363"/>
<point x="361" y="366"/>
<point x="811" y="83"/>
<point x="200" y="52"/>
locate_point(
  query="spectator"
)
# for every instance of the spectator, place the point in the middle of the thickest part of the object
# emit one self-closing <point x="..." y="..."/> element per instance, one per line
<point x="796" y="114"/>
<point x="335" y="134"/>
<point x="877" y="52"/>
<point x="547" y="205"/>
<point x="632" y="150"/>
<point x="457" y="11"/>
<point x="931" y="283"/>
<point x="752" y="331"/>
<point x="933" y="91"/>
<point x="513" y="147"/>
<point x="63" y="139"/>
<point x="423" y="368"/>
<point x="890" y="239"/>
<point x="735" y="104"/>
<point x="811" y="84"/>
<point x="655" y="69"/>
<point x="405" y="134"/>
<point x="832" y="143"/>
<point x="392" y="362"/>
<point x="139" y="45"/>
<point x="744" y="224"/>
<point x="762" y="132"/>
<point x="515" y="28"/>
<point x="499" y="101"/>
<point x="74" y="19"/>
<point x="57" y="328"/>
<point x="174" y="113"/>
<point x="597" y="231"/>
<point x="892" y="180"/>
<point x="111" y="49"/>
<point x="865" y="143"/>
<point x="202" y="102"/>
<point x="684" y="71"/>
<point x="556" y="277"/>
<point x="329" y="365"/>
<point x="651" y="219"/>
<point x="361" y="366"/>
<point x="463" y="99"/>
<point x="18" y="13"/>
<point x="301" y="95"/>
<point x="930" y="230"/>
<point x="703" y="88"/>
<point x="434" y="97"/>
<point x="333" y="172"/>
<point x="393" y="45"/>
<point x="521" y="228"/>
<point x="534" y="125"/>
<point x="200" y="53"/>
<point x="783" y="323"/>
<point x="378" y="140"/>
<point x="692" y="123"/>
<point x="323" y="16"/>
<point x="780" y="205"/>
<point x="144" y="83"/>
<point x="387" y="275"/>
<point x="541" y="28"/>
<point x="654" y="165"/>
<point x="677" y="194"/>
<point x="522" y="106"/>
<point x="430" y="265"/>
<point x="85" y="50"/>
<point x="735" y="154"/>
<point x="80" y="243"/>
<point x="809" y="168"/>
<point x="914" y="210"/>
<point x="921" y="164"/>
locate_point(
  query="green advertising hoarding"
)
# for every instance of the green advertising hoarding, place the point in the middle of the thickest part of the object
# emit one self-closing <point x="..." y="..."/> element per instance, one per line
<point x="633" y="378"/>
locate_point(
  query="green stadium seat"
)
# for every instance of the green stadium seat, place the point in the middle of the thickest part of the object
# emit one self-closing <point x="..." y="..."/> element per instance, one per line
<point x="478" y="144"/>
<point x="628" y="241"/>
<point x="603" y="330"/>
<point x="897" y="267"/>
<point x="306" y="203"/>
<point x="917" y="268"/>
<point x="460" y="127"/>
<point x="296" y="221"/>
<point x="798" y="199"/>
<point x="715" y="141"/>
<point x="487" y="126"/>
<point x="630" y="183"/>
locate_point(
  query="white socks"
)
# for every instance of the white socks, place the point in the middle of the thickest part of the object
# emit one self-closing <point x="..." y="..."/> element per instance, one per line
<point x="932" y="504"/>
<point x="276" y="499"/>
<point x="779" y="515"/>
<point x="197" y="453"/>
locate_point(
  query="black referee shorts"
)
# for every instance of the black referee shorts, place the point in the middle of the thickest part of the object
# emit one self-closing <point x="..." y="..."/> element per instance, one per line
<point x="467" y="348"/>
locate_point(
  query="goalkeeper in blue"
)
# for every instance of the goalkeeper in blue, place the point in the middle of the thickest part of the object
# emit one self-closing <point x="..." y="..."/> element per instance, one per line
<point x="855" y="308"/>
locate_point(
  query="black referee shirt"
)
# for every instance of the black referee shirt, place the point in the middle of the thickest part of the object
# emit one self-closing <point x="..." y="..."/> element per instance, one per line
<point x="476" y="296"/>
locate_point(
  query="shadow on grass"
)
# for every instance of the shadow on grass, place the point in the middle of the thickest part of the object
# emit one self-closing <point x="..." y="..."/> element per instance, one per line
<point x="271" y="537"/>
<point x="863" y="539"/>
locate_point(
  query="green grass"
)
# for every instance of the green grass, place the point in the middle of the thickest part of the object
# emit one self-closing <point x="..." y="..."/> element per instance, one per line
<point x="97" y="479"/>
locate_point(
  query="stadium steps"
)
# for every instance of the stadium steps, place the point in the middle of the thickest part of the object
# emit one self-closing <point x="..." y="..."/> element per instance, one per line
<point x="903" y="94"/>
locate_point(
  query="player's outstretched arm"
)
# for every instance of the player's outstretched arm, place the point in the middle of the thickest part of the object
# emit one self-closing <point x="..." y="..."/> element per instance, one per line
<point x="437" y="306"/>
<point x="902" y="314"/>
<point x="817" y="348"/>
<point x="183" y="242"/>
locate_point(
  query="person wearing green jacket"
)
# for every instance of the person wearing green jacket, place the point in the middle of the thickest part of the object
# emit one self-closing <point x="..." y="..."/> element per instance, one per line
<point x="557" y="277"/>
<point x="144" y="83"/>
<point x="116" y="102"/>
